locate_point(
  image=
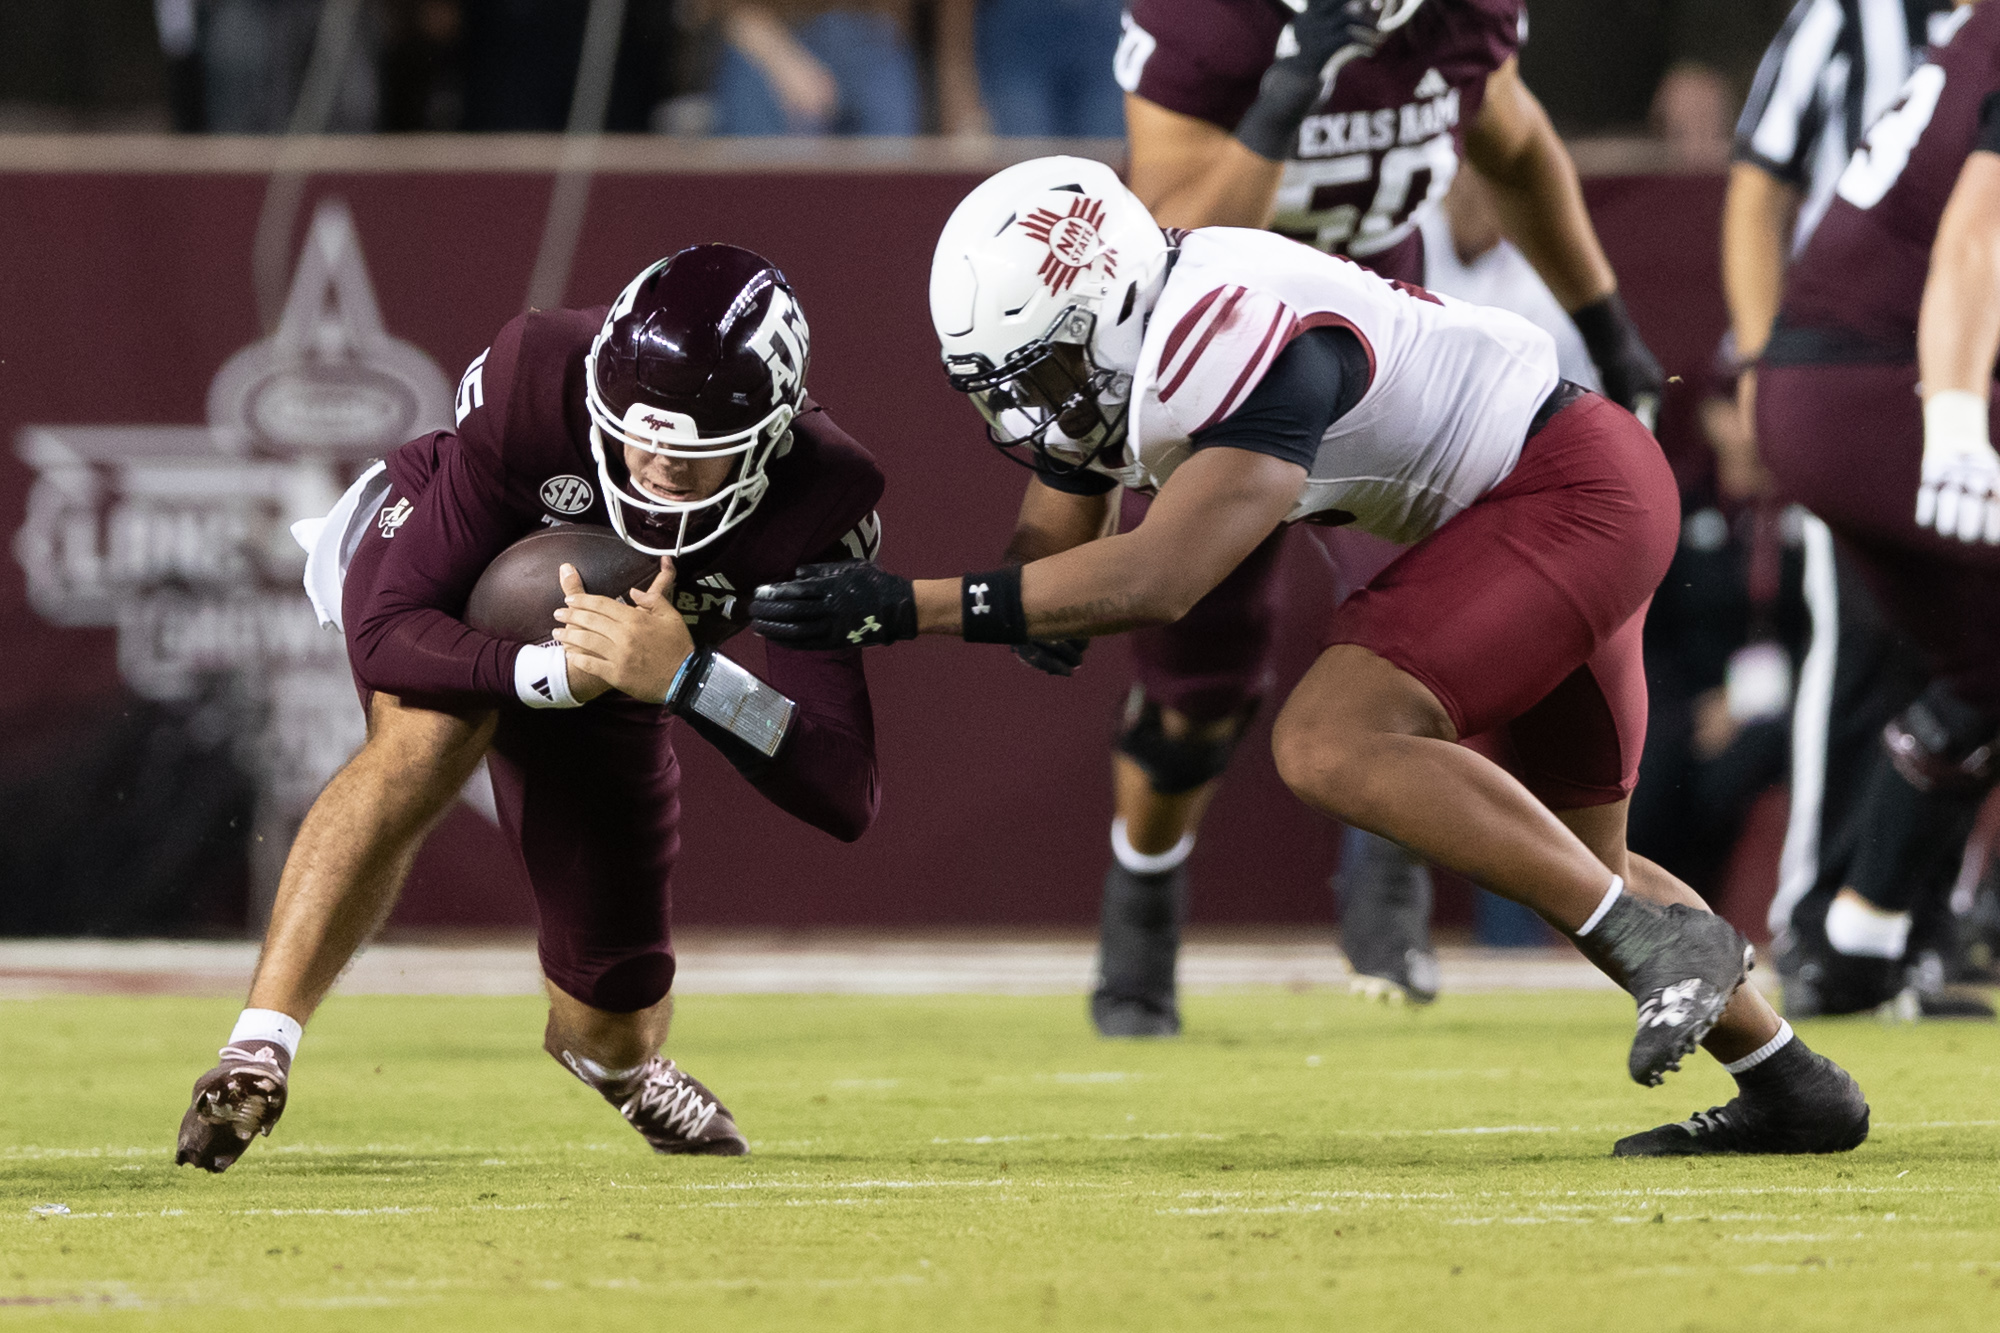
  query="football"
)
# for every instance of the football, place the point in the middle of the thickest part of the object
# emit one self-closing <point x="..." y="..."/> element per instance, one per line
<point x="517" y="597"/>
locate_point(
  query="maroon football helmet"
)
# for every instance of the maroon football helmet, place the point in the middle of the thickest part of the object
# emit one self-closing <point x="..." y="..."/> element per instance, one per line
<point x="703" y="355"/>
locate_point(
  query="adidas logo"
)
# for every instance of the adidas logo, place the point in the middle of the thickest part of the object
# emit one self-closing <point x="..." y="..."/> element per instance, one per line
<point x="1431" y="85"/>
<point x="541" y="687"/>
<point x="717" y="581"/>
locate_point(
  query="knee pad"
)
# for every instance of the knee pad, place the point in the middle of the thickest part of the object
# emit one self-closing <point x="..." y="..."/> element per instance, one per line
<point x="1175" y="765"/>
<point x="1941" y="743"/>
<point x="619" y="986"/>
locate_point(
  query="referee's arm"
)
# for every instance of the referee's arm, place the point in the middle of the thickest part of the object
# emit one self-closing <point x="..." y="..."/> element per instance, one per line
<point x="1774" y="140"/>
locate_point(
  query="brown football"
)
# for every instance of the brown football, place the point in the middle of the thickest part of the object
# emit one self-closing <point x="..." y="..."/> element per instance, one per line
<point x="516" y="598"/>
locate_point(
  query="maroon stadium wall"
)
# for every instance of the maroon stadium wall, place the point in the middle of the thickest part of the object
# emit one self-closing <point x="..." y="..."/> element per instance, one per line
<point x="127" y="286"/>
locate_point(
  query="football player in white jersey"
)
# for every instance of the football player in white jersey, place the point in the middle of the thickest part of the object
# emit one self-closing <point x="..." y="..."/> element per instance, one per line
<point x="1248" y="381"/>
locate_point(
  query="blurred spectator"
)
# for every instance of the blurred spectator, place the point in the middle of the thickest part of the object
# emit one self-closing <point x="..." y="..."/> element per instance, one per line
<point x="817" y="67"/>
<point x="521" y="61"/>
<point x="1029" y="68"/>
<point x="1678" y="69"/>
<point x="80" y="64"/>
<point x="255" y="55"/>
<point x="423" y="83"/>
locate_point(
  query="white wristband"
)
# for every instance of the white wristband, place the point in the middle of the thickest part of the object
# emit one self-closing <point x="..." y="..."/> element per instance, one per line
<point x="268" y="1025"/>
<point x="541" y="676"/>
<point x="1956" y="419"/>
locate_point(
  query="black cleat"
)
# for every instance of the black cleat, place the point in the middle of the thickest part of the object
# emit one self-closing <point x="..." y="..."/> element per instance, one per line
<point x="1385" y="920"/>
<point x="1681" y="964"/>
<point x="1927" y="994"/>
<point x="1139" y="948"/>
<point x="1816" y="1109"/>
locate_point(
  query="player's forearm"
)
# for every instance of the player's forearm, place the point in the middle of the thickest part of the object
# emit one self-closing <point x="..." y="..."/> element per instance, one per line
<point x="1190" y="173"/>
<point x="1757" y="216"/>
<point x="1540" y="200"/>
<point x="1958" y="325"/>
<point x="419" y="651"/>
<point x="1052" y="521"/>
<point x="1091" y="590"/>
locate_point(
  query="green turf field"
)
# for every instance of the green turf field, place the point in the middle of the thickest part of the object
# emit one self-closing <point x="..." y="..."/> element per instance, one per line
<point x="1296" y="1161"/>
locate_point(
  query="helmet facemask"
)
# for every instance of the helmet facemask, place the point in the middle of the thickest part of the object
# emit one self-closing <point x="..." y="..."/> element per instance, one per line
<point x="1050" y="396"/>
<point x="671" y="434"/>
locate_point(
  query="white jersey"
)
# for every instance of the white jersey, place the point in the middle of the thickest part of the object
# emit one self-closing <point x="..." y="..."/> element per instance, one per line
<point x="1451" y="388"/>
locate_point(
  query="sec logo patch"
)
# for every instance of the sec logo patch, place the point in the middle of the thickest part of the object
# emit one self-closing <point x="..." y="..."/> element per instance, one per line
<point x="567" y="494"/>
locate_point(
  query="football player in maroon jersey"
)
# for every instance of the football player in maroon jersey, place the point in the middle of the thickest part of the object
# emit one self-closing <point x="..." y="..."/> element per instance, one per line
<point x="1335" y="122"/>
<point x="1874" y="409"/>
<point x="679" y="417"/>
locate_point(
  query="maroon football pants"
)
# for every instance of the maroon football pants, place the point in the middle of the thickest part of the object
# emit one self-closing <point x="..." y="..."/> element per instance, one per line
<point x="1524" y="614"/>
<point x="1847" y="442"/>
<point x="589" y="799"/>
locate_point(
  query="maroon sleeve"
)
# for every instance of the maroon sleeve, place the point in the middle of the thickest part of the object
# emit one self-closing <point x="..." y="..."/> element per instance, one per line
<point x="1200" y="58"/>
<point x="410" y="640"/>
<point x="826" y="774"/>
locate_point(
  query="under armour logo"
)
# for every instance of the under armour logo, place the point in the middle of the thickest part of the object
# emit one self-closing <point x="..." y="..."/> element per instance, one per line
<point x="868" y="623"/>
<point x="978" y="591"/>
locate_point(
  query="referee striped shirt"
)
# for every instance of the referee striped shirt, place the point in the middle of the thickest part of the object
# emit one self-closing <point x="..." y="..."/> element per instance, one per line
<point x="1833" y="68"/>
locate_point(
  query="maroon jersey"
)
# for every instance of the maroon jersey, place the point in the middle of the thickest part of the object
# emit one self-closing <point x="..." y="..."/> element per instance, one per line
<point x="520" y="460"/>
<point x="1378" y="150"/>
<point x="1855" y="290"/>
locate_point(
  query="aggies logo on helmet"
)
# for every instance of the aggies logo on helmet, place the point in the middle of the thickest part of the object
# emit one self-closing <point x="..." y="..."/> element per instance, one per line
<point x="1074" y="242"/>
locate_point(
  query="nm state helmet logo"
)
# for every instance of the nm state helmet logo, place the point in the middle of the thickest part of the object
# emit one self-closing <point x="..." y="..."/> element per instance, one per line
<point x="1074" y="242"/>
<point x="567" y="494"/>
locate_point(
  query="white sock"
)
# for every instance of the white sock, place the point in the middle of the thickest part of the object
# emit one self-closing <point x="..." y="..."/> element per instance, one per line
<point x="1860" y="930"/>
<point x="268" y="1025"/>
<point x="1764" y="1052"/>
<point x="1603" y="906"/>
<point x="1138" y="862"/>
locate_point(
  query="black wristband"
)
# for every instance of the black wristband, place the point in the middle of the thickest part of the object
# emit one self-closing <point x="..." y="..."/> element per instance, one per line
<point x="989" y="606"/>
<point x="1604" y="326"/>
<point x="1284" y="96"/>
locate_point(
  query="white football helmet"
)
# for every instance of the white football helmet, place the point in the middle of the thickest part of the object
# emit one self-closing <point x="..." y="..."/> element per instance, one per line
<point x="1040" y="290"/>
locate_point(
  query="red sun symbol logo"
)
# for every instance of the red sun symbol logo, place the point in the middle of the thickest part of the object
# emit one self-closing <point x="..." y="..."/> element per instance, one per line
<point x="1073" y="242"/>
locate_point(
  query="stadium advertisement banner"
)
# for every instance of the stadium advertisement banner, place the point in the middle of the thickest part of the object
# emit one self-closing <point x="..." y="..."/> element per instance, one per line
<point x="198" y="351"/>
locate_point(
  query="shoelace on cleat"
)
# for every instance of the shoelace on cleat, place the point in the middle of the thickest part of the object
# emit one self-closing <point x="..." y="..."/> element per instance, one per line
<point x="668" y="1100"/>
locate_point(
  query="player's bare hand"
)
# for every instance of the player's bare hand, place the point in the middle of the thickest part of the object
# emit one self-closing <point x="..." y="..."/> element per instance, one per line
<point x="636" y="648"/>
<point x="1959" y="490"/>
<point x="233" y="1103"/>
<point x="583" y="686"/>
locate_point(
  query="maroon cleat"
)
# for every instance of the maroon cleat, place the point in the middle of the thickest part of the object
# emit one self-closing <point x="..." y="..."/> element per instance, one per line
<point x="234" y="1102"/>
<point x="669" y="1107"/>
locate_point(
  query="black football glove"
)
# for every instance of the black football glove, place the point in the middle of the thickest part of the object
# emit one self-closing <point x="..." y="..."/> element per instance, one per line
<point x="1329" y="33"/>
<point x="1631" y="374"/>
<point x="1058" y="657"/>
<point x="831" y="606"/>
